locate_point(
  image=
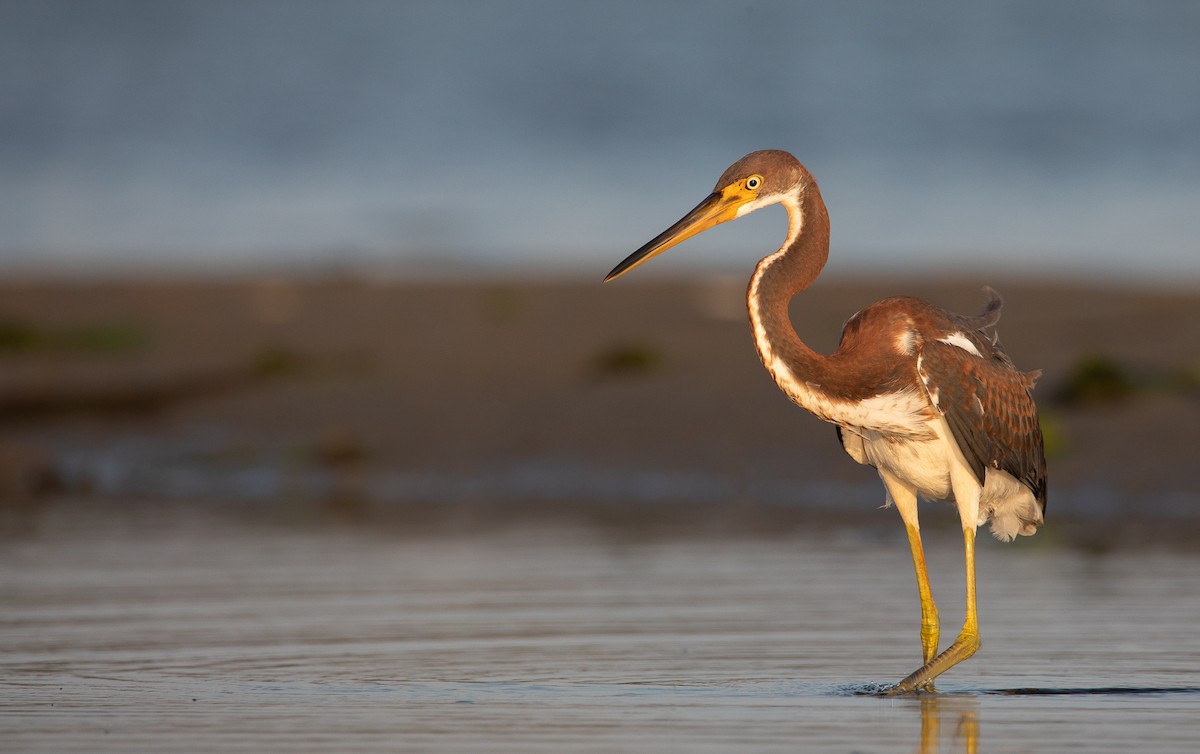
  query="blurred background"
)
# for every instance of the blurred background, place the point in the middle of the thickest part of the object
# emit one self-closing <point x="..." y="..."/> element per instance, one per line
<point x="505" y="138"/>
<point x="276" y="250"/>
<point x="316" y="419"/>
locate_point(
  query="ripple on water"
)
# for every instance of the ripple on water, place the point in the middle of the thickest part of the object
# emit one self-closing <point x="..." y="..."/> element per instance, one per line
<point x="218" y="635"/>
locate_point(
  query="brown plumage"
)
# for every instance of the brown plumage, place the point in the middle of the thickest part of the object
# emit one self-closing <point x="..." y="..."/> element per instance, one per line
<point x="925" y="396"/>
<point x="985" y="400"/>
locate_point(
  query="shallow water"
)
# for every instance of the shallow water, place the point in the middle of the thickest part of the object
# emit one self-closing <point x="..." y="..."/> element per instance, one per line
<point x="185" y="628"/>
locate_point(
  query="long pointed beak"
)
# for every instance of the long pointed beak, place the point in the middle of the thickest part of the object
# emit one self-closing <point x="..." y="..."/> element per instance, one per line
<point x="719" y="207"/>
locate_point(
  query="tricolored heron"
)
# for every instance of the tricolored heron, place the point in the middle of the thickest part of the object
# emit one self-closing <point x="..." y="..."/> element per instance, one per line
<point x="923" y="395"/>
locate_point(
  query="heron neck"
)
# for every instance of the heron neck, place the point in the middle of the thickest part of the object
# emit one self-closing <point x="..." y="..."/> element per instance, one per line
<point x="782" y="275"/>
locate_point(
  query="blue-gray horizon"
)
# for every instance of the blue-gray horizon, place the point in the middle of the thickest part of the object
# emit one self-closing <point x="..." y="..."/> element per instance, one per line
<point x="1021" y="139"/>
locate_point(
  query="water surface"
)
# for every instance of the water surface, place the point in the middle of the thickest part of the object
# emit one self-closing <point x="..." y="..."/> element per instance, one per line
<point x="182" y="628"/>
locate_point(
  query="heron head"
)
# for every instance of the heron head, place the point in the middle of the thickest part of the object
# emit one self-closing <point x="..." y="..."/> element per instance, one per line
<point x="759" y="179"/>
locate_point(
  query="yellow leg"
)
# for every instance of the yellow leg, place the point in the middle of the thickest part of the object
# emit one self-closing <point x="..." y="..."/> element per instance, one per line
<point x="967" y="642"/>
<point x="905" y="500"/>
<point x="930" y="627"/>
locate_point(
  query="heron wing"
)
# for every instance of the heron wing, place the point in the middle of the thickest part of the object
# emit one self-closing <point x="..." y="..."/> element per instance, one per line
<point x="989" y="408"/>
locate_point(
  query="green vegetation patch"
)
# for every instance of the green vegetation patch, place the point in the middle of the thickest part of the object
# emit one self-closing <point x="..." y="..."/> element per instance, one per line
<point x="277" y="361"/>
<point x="1097" y="379"/>
<point x="18" y="337"/>
<point x="628" y="359"/>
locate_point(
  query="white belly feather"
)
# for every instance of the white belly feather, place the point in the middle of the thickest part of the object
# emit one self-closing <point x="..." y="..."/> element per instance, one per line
<point x="936" y="470"/>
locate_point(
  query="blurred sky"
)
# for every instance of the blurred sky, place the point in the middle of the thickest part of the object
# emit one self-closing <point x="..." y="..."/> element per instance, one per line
<point x="1024" y="138"/>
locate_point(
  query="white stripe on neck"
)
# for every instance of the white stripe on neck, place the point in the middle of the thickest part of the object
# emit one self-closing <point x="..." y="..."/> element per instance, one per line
<point x="899" y="413"/>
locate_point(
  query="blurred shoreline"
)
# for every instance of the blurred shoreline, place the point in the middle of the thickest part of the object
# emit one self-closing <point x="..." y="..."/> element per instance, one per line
<point x="461" y="401"/>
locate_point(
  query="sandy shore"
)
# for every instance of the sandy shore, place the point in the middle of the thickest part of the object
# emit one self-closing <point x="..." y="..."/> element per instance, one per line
<point x="639" y="377"/>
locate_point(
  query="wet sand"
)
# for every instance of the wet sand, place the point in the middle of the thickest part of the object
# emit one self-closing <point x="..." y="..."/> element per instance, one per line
<point x="174" y="628"/>
<point x="467" y="394"/>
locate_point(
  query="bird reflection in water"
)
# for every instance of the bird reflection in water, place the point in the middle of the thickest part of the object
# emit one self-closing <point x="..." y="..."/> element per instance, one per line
<point x="960" y="711"/>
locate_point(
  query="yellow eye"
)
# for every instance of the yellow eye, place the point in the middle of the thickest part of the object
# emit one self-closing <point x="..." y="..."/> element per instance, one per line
<point x="754" y="182"/>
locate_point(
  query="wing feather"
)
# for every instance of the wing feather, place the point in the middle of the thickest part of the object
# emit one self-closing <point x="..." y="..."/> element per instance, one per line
<point x="988" y="407"/>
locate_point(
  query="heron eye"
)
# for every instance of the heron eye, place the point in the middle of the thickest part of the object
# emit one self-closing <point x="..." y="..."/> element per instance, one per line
<point x="754" y="182"/>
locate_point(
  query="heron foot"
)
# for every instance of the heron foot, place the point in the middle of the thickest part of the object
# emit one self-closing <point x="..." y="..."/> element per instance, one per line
<point x="899" y="690"/>
<point x="921" y="679"/>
